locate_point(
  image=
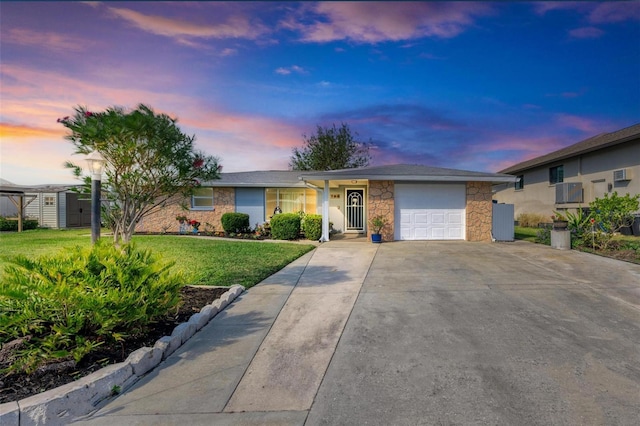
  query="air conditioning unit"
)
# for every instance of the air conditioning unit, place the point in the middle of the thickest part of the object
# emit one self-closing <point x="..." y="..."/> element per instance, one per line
<point x="569" y="192"/>
<point x="620" y="175"/>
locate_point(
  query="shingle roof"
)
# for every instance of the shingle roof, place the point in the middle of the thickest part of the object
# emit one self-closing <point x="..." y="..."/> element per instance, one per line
<point x="407" y="172"/>
<point x="260" y="178"/>
<point x="594" y="143"/>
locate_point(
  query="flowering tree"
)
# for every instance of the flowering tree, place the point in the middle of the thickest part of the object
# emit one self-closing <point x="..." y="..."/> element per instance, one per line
<point x="149" y="161"/>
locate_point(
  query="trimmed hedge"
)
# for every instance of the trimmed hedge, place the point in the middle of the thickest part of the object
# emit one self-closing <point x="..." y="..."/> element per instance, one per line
<point x="12" y="225"/>
<point x="235" y="223"/>
<point x="285" y="226"/>
<point x="313" y="226"/>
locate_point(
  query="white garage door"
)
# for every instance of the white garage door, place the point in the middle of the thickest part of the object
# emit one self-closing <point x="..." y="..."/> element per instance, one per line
<point x="430" y="211"/>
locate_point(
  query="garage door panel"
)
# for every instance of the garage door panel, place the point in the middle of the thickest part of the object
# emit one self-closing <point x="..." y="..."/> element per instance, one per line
<point x="455" y="218"/>
<point x="420" y="218"/>
<point x="430" y="211"/>
<point x="438" y="218"/>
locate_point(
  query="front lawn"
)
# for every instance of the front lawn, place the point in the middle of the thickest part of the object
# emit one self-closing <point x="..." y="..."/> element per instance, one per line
<point x="526" y="234"/>
<point x="205" y="261"/>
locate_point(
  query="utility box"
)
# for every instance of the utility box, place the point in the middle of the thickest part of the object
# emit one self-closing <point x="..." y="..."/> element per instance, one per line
<point x="502" y="228"/>
<point x="561" y="240"/>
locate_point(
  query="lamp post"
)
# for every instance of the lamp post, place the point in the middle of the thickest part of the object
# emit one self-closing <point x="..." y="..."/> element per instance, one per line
<point x="96" y="164"/>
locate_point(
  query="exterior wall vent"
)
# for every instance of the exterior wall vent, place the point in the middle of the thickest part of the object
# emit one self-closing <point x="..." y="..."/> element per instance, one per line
<point x="620" y="175"/>
<point x="569" y="192"/>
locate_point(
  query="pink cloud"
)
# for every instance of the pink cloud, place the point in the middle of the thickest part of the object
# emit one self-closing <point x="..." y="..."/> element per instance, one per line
<point x="46" y="40"/>
<point x="586" y="32"/>
<point x="542" y="8"/>
<point x="373" y="22"/>
<point x="615" y="12"/>
<point x="583" y="124"/>
<point x="292" y="69"/>
<point x="183" y="31"/>
<point x="597" y="13"/>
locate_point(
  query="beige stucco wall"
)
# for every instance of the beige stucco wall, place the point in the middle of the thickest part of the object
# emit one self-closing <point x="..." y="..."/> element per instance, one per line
<point x="479" y="211"/>
<point x="594" y="170"/>
<point x="164" y="219"/>
<point x="381" y="203"/>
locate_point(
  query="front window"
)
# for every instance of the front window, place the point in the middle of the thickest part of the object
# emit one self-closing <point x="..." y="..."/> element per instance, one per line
<point x="556" y="175"/>
<point x="49" y="200"/>
<point x="291" y="200"/>
<point x="202" y="199"/>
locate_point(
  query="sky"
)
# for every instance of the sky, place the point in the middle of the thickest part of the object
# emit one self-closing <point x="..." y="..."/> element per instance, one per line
<point x="466" y="85"/>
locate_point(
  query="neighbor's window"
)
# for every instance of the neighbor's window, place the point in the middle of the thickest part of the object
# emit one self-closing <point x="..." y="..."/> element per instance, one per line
<point x="520" y="182"/>
<point x="291" y="200"/>
<point x="556" y="175"/>
<point x="202" y="199"/>
<point x="49" y="200"/>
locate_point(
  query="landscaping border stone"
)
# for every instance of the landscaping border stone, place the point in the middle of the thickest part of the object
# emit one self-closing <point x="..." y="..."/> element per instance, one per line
<point x="61" y="405"/>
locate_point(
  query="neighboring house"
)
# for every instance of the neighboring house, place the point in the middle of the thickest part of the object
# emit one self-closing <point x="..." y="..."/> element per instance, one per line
<point x="419" y="202"/>
<point x="574" y="176"/>
<point x="54" y="206"/>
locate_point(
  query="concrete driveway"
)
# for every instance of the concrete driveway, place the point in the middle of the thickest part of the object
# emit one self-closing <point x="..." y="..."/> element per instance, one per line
<point x="509" y="334"/>
<point x="411" y="333"/>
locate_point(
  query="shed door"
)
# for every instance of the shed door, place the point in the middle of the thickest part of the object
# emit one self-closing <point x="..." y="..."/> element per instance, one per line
<point x="78" y="211"/>
<point x="430" y="211"/>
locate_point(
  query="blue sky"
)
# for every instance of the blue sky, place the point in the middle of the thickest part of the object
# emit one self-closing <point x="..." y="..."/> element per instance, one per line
<point x="476" y="86"/>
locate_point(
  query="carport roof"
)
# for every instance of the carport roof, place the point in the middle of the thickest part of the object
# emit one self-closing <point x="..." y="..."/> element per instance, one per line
<point x="408" y="172"/>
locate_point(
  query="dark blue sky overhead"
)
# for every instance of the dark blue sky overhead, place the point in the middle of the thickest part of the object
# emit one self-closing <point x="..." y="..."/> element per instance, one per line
<point x="478" y="85"/>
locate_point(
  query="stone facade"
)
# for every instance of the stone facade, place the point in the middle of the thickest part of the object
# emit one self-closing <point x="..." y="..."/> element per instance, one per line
<point x="381" y="202"/>
<point x="479" y="211"/>
<point x="164" y="219"/>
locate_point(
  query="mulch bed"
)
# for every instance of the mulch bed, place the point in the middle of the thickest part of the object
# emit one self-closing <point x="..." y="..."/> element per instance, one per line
<point x="18" y="386"/>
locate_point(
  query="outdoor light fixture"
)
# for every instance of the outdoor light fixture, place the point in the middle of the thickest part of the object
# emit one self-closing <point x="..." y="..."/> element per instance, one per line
<point x="96" y="165"/>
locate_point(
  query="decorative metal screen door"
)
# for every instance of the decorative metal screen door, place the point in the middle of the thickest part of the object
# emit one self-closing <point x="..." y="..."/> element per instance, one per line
<point x="354" y="210"/>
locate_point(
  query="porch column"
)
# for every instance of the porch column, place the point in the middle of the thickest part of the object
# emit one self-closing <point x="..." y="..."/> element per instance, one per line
<point x="325" y="212"/>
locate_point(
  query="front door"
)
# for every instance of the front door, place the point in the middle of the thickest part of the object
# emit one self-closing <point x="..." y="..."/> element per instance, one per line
<point x="354" y="210"/>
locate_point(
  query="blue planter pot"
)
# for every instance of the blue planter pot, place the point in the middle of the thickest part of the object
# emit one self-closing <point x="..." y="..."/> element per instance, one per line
<point x="376" y="238"/>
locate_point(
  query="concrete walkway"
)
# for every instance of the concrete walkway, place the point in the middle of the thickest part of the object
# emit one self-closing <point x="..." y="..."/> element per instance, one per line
<point x="262" y="360"/>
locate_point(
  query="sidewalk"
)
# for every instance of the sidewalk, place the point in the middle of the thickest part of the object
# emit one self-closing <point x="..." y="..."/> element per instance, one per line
<point x="261" y="361"/>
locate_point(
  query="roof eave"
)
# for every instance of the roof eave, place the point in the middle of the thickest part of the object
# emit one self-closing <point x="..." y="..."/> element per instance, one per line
<point x="516" y="168"/>
<point x="218" y="184"/>
<point x="414" y="178"/>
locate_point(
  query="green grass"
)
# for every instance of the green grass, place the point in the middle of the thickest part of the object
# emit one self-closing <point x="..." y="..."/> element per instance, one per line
<point x="205" y="261"/>
<point x="526" y="234"/>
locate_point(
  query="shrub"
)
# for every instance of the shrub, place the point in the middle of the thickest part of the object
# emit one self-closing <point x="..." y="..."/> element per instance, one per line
<point x="62" y="307"/>
<point x="313" y="226"/>
<point x="285" y="226"/>
<point x="532" y="220"/>
<point x="12" y="225"/>
<point x="544" y="236"/>
<point x="235" y="223"/>
<point x="611" y="213"/>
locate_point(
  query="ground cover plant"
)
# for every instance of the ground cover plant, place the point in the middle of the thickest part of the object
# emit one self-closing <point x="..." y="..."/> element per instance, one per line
<point x="61" y="307"/>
